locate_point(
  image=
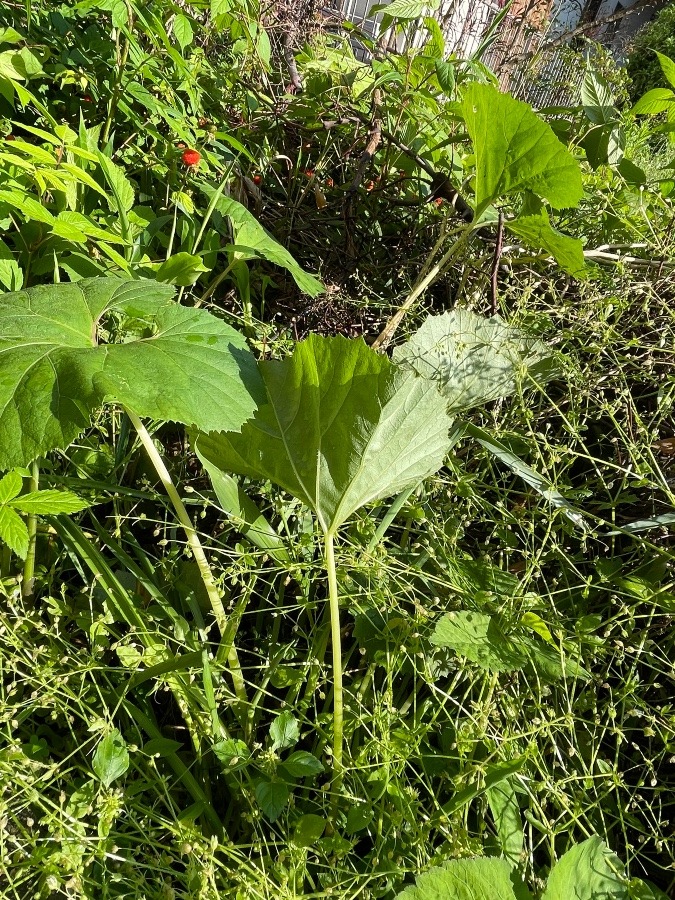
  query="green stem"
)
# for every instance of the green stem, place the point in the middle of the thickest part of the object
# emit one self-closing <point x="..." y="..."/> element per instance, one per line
<point x="336" y="640"/>
<point x="420" y="286"/>
<point x="121" y="54"/>
<point x="28" y="582"/>
<point x="197" y="551"/>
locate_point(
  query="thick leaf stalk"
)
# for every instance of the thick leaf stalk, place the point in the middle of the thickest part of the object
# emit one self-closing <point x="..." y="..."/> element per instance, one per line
<point x="28" y="580"/>
<point x="197" y="551"/>
<point x="336" y="641"/>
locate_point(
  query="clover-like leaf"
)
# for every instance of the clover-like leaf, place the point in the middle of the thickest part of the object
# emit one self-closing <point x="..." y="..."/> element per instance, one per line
<point x="68" y="348"/>
<point x="474" y="359"/>
<point x="517" y="151"/>
<point x="342" y="426"/>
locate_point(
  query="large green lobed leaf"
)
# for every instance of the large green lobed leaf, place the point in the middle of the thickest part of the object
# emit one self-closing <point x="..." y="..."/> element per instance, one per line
<point x="173" y="363"/>
<point x="342" y="426"/>
<point x="517" y="151"/>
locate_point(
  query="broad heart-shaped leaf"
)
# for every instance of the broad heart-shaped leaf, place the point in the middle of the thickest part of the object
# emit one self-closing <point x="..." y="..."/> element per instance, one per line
<point x="342" y="427"/>
<point x="534" y="227"/>
<point x="587" y="872"/>
<point x="474" y="359"/>
<point x="517" y="151"/>
<point x="175" y="363"/>
<point x="464" y="879"/>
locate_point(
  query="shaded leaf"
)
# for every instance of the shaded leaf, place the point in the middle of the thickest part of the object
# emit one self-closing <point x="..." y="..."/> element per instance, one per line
<point x="11" y="276"/>
<point x="535" y="480"/>
<point x="483" y="640"/>
<point x="342" y="427"/>
<point x="479" y="638"/>
<point x="308" y="830"/>
<point x="253" y="241"/>
<point x="517" y="151"/>
<point x="244" y="513"/>
<point x="505" y="810"/>
<point x="445" y="72"/>
<point x="272" y="797"/>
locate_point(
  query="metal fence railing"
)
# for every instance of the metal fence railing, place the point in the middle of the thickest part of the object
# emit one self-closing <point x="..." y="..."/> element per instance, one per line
<point x="517" y="52"/>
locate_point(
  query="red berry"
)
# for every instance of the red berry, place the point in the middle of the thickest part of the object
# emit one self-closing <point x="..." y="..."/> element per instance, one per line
<point x="87" y="98"/>
<point x="191" y="157"/>
<point x="10" y="137"/>
<point x="257" y="179"/>
<point x="309" y="173"/>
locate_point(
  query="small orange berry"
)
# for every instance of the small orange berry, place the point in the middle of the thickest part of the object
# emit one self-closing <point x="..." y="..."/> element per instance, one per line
<point x="191" y="157"/>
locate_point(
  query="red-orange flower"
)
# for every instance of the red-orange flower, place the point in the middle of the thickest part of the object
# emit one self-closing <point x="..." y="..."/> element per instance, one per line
<point x="191" y="157"/>
<point x="309" y="173"/>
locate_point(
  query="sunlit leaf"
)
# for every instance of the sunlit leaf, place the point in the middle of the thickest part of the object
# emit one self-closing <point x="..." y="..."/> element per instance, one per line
<point x="589" y="871"/>
<point x="111" y="759"/>
<point x="517" y="151"/>
<point x="342" y="427"/>
<point x="58" y="363"/>
<point x="464" y="879"/>
<point x="474" y="359"/>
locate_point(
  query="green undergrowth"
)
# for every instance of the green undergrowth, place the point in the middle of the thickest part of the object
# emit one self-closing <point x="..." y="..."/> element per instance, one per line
<point x="429" y="641"/>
